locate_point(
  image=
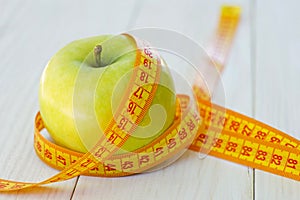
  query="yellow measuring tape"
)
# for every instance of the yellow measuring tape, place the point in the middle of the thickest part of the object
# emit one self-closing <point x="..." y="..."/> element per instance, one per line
<point x="247" y="141"/>
<point x="242" y="140"/>
<point x="224" y="35"/>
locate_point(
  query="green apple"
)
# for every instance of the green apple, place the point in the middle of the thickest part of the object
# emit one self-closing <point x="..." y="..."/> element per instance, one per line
<point x="81" y="88"/>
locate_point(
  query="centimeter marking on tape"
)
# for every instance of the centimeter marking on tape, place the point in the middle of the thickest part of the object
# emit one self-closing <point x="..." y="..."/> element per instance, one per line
<point x="247" y="141"/>
<point x="242" y="140"/>
<point x="222" y="40"/>
<point x="177" y="137"/>
<point x="132" y="108"/>
<point x="220" y="46"/>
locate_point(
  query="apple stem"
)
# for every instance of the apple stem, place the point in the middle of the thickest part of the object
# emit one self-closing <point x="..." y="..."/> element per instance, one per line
<point x="97" y="54"/>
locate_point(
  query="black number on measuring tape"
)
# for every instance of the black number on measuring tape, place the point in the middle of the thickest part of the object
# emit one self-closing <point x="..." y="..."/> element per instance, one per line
<point x="202" y="138"/>
<point x="246" y="151"/>
<point x="289" y="145"/>
<point x="131" y="107"/>
<point x="139" y="93"/>
<point x="182" y="134"/>
<point x="147" y="63"/>
<point x="260" y="135"/>
<point x="144" y="77"/>
<point x="292" y="163"/>
<point x="218" y="142"/>
<point x="148" y="52"/>
<point x="231" y="146"/>
<point x="122" y="123"/>
<point x="261" y="155"/>
<point x="171" y="143"/>
<point x="275" y="140"/>
<point x="276" y="159"/>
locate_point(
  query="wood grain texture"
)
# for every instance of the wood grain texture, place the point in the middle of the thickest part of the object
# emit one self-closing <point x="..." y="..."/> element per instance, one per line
<point x="189" y="177"/>
<point x="260" y="80"/>
<point x="277" y="84"/>
<point x="31" y="32"/>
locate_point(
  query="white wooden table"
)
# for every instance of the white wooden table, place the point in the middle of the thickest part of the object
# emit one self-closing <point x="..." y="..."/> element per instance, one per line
<point x="261" y="80"/>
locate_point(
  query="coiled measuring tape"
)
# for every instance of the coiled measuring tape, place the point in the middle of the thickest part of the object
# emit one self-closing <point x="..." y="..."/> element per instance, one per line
<point x="101" y="160"/>
<point x="242" y="140"/>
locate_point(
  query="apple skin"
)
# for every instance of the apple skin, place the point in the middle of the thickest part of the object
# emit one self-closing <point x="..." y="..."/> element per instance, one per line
<point x="71" y="93"/>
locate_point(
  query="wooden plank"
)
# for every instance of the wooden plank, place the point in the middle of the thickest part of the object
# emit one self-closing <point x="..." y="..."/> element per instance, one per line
<point x="30" y="33"/>
<point x="277" y="84"/>
<point x="190" y="177"/>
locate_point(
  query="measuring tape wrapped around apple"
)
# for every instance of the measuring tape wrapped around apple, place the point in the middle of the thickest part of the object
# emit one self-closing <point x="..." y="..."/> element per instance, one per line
<point x="119" y="102"/>
<point x="113" y="111"/>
